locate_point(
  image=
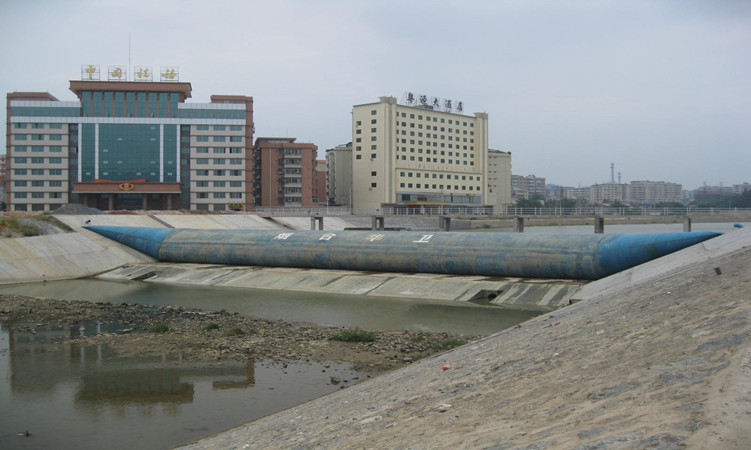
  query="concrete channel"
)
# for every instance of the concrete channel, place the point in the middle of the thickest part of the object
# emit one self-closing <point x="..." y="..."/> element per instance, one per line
<point x="84" y="253"/>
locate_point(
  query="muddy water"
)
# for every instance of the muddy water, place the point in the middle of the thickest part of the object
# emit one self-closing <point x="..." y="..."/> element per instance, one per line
<point x="69" y="396"/>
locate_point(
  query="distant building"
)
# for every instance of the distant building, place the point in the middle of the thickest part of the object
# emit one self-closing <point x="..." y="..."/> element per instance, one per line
<point x="129" y="145"/>
<point x="578" y="193"/>
<point x="319" y="187"/>
<point x="2" y="178"/>
<point x="339" y="175"/>
<point x="285" y="172"/>
<point x="499" y="179"/>
<point x="710" y="194"/>
<point x="653" y="192"/>
<point x="527" y="186"/>
<point x="417" y="156"/>
<point x="609" y="193"/>
<point x="741" y="188"/>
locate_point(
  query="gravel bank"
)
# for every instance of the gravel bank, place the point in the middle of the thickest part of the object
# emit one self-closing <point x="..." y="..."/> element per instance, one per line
<point x="217" y="335"/>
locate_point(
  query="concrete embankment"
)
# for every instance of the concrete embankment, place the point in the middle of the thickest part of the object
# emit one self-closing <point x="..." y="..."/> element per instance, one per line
<point x="656" y="358"/>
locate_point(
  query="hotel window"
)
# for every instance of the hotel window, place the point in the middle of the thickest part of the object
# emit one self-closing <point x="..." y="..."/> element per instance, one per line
<point x="218" y="173"/>
<point x="235" y="138"/>
<point x="202" y="195"/>
<point x="56" y="195"/>
<point x="20" y="137"/>
<point x="19" y="148"/>
<point x="235" y="173"/>
<point x="235" y="184"/>
<point x="219" y="161"/>
<point x="37" y="183"/>
<point x="372" y="112"/>
<point x="202" y="184"/>
<point x="220" y="138"/>
<point x="19" y="183"/>
<point x="202" y="127"/>
<point x="56" y="160"/>
<point x="202" y="173"/>
<point x="219" y="150"/>
<point x="202" y="138"/>
<point x="37" y="137"/>
<point x="56" y="137"/>
<point x="219" y="184"/>
<point x="37" y="160"/>
<point x="19" y="195"/>
<point x="236" y="150"/>
<point x="56" y="149"/>
<point x="219" y="128"/>
<point x="19" y="172"/>
<point x="202" y="150"/>
<point x="41" y="171"/>
<point x="235" y="161"/>
<point x="235" y="195"/>
<point x="37" y="125"/>
<point x="37" y="148"/>
<point x="19" y="125"/>
<point x="373" y="184"/>
<point x="202" y="161"/>
<point x="37" y="195"/>
<point x="56" y="183"/>
<point x="219" y="195"/>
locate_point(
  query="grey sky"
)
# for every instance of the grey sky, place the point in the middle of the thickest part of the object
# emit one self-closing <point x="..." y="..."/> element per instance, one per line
<point x="662" y="89"/>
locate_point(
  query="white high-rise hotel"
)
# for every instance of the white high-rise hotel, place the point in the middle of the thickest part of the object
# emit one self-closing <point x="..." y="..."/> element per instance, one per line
<point x="417" y="156"/>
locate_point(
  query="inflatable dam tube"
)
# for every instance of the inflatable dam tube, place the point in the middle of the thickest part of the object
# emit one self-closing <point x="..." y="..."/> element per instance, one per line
<point x="564" y="256"/>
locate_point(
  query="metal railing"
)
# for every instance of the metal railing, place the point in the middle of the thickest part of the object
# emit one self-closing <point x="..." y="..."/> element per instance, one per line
<point x="469" y="211"/>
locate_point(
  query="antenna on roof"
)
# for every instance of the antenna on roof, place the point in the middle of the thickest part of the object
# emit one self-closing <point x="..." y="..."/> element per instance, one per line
<point x="129" y="66"/>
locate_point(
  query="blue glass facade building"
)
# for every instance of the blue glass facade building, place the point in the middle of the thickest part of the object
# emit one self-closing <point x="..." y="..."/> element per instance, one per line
<point x="129" y="145"/>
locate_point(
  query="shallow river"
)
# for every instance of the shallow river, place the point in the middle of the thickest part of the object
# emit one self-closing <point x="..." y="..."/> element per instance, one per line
<point x="68" y="396"/>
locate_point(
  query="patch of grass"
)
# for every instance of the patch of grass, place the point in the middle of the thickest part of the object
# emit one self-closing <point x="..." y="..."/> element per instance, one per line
<point x="236" y="332"/>
<point x="355" y="336"/>
<point x="10" y="226"/>
<point x="418" y="338"/>
<point x="451" y="343"/>
<point x="160" y="328"/>
<point x="211" y="326"/>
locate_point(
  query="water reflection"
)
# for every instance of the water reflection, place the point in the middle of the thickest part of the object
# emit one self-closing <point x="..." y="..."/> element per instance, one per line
<point x="73" y="396"/>
<point x="367" y="312"/>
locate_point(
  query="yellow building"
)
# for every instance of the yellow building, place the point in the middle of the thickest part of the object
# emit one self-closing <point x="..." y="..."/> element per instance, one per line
<point x="418" y="157"/>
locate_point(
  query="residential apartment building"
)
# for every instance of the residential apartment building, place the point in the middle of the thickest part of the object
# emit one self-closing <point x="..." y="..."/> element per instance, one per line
<point x="499" y="179"/>
<point x="652" y="192"/>
<point x="741" y="188"/>
<point x="285" y="172"/>
<point x="129" y="145"/>
<point x="416" y="156"/>
<point x="527" y="186"/>
<point x="609" y="193"/>
<point x="339" y="175"/>
<point x="2" y="179"/>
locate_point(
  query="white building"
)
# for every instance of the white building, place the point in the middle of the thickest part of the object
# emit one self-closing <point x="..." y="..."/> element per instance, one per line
<point x="499" y="179"/>
<point x="417" y="156"/>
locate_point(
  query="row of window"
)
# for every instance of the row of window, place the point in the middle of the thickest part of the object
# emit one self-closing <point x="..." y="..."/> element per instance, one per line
<point x="38" y="137"/>
<point x="435" y="176"/>
<point x="219" y="194"/>
<point x="219" y="161"/>
<point x="37" y="171"/>
<point x="373" y="112"/>
<point x="220" y="150"/>
<point x="219" y="127"/>
<point x="219" y="183"/>
<point x="37" y="183"/>
<point x="439" y="186"/>
<point x="38" y="126"/>
<point x="38" y="195"/>
<point x="219" y="173"/>
<point x="219" y="138"/>
<point x="434" y="160"/>
<point x="37" y="148"/>
<point x="37" y="160"/>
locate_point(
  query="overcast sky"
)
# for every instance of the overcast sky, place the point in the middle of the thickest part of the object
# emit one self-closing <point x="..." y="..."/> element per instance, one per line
<point x="661" y="89"/>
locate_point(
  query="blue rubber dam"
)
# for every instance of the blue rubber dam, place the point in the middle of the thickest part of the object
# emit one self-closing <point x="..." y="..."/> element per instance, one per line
<point x="562" y="256"/>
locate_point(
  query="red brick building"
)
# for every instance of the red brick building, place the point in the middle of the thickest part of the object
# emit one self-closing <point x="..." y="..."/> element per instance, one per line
<point x="284" y="172"/>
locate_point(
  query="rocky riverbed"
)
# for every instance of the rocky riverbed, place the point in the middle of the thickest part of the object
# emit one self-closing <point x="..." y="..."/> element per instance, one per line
<point x="199" y="335"/>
